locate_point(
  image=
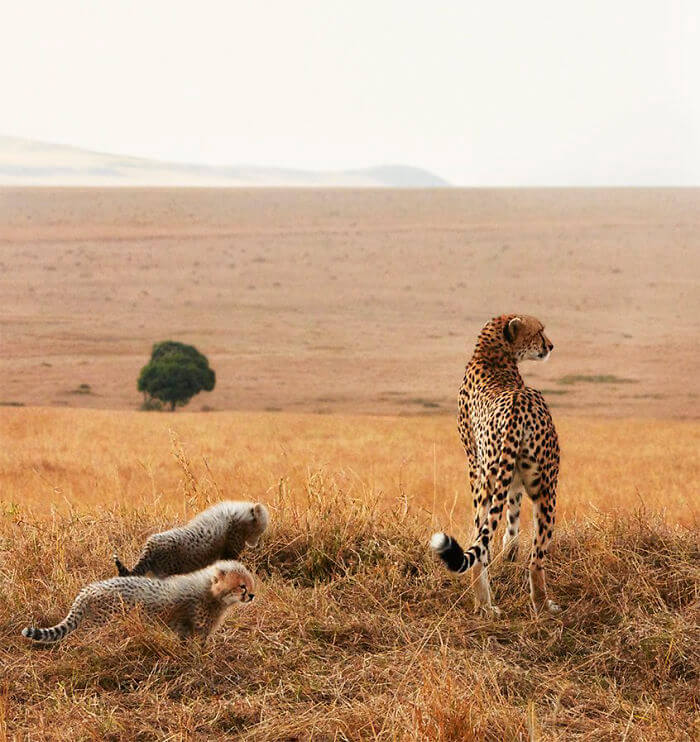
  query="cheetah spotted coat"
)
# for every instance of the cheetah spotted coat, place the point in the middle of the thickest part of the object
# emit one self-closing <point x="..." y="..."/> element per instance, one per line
<point x="511" y="445"/>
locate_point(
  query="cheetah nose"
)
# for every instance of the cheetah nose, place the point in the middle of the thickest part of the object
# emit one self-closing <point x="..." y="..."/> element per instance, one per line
<point x="550" y="347"/>
<point x="250" y="597"/>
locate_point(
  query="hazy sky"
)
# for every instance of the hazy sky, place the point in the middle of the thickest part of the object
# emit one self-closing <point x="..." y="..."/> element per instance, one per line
<point x="482" y="93"/>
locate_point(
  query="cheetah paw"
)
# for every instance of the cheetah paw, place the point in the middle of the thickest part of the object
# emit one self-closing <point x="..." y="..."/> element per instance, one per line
<point x="489" y="611"/>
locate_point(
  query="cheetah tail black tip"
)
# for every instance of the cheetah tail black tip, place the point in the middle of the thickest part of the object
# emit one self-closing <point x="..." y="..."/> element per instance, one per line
<point x="450" y="552"/>
<point x="121" y="569"/>
<point x="46" y="636"/>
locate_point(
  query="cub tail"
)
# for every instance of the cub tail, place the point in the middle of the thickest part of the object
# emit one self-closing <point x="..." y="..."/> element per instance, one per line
<point x="451" y="553"/>
<point x="121" y="569"/>
<point x="60" y="630"/>
<point x="47" y="636"/>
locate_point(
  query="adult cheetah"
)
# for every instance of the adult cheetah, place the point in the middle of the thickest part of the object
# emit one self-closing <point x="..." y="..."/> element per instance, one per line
<point x="511" y="444"/>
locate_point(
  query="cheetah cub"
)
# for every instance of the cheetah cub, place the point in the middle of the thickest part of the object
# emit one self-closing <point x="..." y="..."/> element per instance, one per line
<point x="193" y="605"/>
<point x="220" y="532"/>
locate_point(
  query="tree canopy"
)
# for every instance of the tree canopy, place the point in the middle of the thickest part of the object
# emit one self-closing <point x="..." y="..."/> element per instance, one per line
<point x="175" y="373"/>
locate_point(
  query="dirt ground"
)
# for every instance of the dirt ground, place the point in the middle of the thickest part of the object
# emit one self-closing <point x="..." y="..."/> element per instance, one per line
<point x="349" y="301"/>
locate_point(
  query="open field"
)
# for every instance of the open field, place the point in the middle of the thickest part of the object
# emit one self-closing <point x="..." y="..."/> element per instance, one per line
<point x="358" y="633"/>
<point x="364" y="304"/>
<point x="352" y="301"/>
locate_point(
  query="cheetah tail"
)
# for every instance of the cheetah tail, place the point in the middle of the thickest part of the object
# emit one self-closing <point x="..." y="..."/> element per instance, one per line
<point x="450" y="552"/>
<point x="121" y="569"/>
<point x="60" y="630"/>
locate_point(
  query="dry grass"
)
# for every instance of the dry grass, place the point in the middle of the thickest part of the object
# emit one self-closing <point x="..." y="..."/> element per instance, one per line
<point x="358" y="633"/>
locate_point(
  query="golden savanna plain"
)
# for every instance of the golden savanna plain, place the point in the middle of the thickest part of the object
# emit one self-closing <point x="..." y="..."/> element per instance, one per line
<point x="339" y="323"/>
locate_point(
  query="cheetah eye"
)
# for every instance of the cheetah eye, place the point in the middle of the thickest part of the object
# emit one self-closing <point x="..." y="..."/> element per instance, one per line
<point x="244" y="588"/>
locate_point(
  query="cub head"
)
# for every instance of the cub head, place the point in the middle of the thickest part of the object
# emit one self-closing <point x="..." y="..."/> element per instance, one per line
<point x="257" y="523"/>
<point x="525" y="337"/>
<point x="232" y="583"/>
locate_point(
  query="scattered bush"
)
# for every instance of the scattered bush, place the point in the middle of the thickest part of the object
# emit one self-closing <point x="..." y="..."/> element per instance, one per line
<point x="82" y="389"/>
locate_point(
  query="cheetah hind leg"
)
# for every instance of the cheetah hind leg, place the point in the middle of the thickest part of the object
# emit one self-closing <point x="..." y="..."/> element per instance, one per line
<point x="482" y="587"/>
<point x="543" y="522"/>
<point x="482" y="592"/>
<point x="512" y="530"/>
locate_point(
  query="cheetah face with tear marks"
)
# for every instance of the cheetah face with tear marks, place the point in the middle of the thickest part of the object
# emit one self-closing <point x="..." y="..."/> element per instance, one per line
<point x="235" y="586"/>
<point x="526" y="339"/>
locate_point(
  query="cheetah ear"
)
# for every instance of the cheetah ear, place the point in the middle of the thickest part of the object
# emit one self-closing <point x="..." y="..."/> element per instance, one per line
<point x="511" y="328"/>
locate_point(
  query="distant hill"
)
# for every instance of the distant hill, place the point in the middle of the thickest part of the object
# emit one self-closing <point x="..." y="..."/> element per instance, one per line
<point x="27" y="162"/>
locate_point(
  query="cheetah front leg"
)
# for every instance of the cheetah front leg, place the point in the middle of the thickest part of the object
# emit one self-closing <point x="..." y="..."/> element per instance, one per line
<point x="204" y="622"/>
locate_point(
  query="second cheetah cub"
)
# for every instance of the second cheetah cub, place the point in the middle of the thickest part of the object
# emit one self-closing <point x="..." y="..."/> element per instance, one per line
<point x="219" y="532"/>
<point x="193" y="605"/>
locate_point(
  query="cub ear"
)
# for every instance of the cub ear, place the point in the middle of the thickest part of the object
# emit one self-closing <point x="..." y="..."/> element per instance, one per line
<point x="511" y="328"/>
<point x="259" y="512"/>
<point x="218" y="574"/>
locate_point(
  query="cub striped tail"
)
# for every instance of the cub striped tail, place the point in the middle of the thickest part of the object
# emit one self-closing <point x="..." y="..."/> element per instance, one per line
<point x="47" y="636"/>
<point x="121" y="569"/>
<point x="53" y="633"/>
<point x="60" y="630"/>
<point x="451" y="553"/>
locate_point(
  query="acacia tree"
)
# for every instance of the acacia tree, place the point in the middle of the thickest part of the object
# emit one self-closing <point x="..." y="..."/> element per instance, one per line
<point x="175" y="373"/>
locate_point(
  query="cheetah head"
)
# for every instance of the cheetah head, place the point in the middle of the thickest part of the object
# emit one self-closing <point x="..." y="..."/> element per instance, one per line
<point x="232" y="583"/>
<point x="525" y="336"/>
